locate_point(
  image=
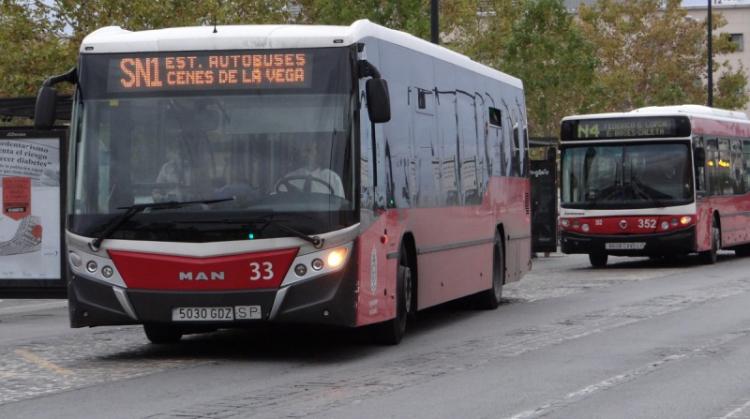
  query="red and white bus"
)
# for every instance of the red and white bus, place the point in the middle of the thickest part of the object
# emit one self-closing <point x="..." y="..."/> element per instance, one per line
<point x="657" y="181"/>
<point x="318" y="174"/>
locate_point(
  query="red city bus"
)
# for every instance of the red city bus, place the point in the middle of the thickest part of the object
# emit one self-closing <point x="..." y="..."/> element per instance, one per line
<point x="336" y="175"/>
<point x="657" y="181"/>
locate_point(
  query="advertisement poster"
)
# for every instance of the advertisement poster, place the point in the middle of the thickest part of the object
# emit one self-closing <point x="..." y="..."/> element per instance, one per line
<point x="30" y="221"/>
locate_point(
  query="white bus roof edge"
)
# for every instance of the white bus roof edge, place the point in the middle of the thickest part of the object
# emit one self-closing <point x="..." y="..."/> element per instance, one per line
<point x="114" y="39"/>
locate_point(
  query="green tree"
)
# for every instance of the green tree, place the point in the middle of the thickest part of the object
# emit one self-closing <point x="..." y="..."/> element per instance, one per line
<point x="41" y="37"/>
<point x="547" y="51"/>
<point x="651" y="53"/>
<point x="411" y="16"/>
<point x="32" y="46"/>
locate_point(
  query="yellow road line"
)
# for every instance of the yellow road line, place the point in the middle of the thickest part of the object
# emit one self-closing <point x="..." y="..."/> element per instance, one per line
<point x="41" y="362"/>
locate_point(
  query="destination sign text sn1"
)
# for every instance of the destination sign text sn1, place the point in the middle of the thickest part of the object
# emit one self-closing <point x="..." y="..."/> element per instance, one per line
<point x="209" y="71"/>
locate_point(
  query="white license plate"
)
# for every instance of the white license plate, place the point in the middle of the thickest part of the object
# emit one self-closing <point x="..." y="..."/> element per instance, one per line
<point x="199" y="314"/>
<point x="625" y="246"/>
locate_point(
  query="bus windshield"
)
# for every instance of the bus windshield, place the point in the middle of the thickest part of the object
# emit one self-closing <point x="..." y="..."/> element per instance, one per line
<point x="270" y="151"/>
<point x="626" y="176"/>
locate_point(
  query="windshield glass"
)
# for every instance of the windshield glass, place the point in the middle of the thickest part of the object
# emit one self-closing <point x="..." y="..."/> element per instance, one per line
<point x="277" y="151"/>
<point x="626" y="176"/>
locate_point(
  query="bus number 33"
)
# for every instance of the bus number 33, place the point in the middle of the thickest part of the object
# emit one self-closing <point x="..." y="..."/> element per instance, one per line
<point x="260" y="270"/>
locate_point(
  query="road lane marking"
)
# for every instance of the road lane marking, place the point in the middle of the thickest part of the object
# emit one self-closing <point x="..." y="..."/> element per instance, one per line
<point x="41" y="362"/>
<point x="284" y="399"/>
<point x="737" y="412"/>
<point x="628" y="376"/>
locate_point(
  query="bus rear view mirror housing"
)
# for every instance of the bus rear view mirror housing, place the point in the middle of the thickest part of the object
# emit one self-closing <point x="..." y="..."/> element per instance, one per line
<point x="699" y="154"/>
<point x="45" y="108"/>
<point x="378" y="101"/>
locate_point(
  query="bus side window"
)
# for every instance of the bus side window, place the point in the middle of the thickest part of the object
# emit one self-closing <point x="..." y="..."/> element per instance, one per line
<point x="724" y="168"/>
<point x="712" y="159"/>
<point x="700" y="168"/>
<point x="746" y="163"/>
<point x="516" y="151"/>
<point x="737" y="166"/>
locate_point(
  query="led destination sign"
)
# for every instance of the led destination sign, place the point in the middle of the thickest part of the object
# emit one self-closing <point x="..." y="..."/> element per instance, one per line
<point x="613" y="128"/>
<point x="138" y="73"/>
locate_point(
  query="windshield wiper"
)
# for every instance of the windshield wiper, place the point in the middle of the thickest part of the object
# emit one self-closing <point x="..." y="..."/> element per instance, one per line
<point x="132" y="210"/>
<point x="638" y="188"/>
<point x="267" y="220"/>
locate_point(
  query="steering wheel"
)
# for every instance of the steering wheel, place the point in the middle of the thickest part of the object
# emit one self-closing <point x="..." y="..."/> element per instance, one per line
<point x="286" y="182"/>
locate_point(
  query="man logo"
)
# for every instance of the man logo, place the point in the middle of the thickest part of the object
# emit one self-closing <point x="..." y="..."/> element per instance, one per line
<point x="201" y="276"/>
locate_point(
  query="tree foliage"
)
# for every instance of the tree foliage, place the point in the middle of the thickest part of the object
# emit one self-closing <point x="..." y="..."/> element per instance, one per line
<point x="651" y="53"/>
<point x="556" y="63"/>
<point x="40" y="38"/>
<point x="412" y="16"/>
<point x="614" y="56"/>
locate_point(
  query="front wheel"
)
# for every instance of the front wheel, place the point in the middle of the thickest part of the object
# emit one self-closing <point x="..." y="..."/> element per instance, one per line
<point x="490" y="299"/>
<point x="710" y="257"/>
<point x="162" y="333"/>
<point x="392" y="331"/>
<point x="598" y="260"/>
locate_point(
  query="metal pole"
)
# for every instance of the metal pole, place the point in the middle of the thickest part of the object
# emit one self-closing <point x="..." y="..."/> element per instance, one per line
<point x="710" y="58"/>
<point x="434" y="27"/>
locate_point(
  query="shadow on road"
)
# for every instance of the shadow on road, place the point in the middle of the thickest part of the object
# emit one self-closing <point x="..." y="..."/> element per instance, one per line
<point x="670" y="262"/>
<point x="304" y="343"/>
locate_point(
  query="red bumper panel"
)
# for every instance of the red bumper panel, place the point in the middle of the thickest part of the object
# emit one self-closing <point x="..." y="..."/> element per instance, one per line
<point x="249" y="271"/>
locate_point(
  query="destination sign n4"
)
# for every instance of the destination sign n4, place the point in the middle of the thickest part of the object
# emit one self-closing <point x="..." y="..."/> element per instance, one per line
<point x="209" y="71"/>
<point x="625" y="128"/>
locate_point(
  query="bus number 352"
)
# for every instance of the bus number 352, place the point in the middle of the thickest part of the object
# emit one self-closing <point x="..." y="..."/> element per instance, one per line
<point x="646" y="223"/>
<point x="260" y="270"/>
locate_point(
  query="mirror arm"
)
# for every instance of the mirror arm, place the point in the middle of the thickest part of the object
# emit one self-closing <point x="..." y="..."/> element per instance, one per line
<point x="366" y="69"/>
<point x="71" y="76"/>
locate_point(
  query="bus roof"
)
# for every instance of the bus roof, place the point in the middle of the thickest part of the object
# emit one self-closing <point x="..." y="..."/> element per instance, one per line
<point x="693" y="111"/>
<point x="114" y="39"/>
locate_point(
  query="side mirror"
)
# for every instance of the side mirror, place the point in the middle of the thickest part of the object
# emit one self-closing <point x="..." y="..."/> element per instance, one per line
<point x="45" y="109"/>
<point x="699" y="156"/>
<point x="378" y="101"/>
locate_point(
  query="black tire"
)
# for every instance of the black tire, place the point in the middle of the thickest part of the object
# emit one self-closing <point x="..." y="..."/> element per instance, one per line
<point x="710" y="257"/>
<point x="742" y="251"/>
<point x="162" y="334"/>
<point x="598" y="260"/>
<point x="392" y="331"/>
<point x="490" y="299"/>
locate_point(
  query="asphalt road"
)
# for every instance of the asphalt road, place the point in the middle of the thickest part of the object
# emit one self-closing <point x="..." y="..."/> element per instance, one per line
<point x="640" y="339"/>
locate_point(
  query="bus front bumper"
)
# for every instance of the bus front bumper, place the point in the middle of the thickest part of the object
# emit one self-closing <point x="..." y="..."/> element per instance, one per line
<point x="660" y="244"/>
<point x="328" y="300"/>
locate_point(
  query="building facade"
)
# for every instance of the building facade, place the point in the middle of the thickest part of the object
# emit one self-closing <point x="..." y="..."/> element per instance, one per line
<point x="737" y="15"/>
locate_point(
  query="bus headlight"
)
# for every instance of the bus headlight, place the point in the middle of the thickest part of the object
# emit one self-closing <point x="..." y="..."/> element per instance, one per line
<point x="565" y="222"/>
<point x="686" y="219"/>
<point x="336" y="257"/>
<point x="665" y="225"/>
<point x="318" y="263"/>
<point x="585" y="228"/>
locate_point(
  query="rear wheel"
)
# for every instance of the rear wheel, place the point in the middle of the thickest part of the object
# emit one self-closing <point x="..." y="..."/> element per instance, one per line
<point x="392" y="331"/>
<point x="742" y="251"/>
<point x="709" y="257"/>
<point x="162" y="333"/>
<point x="490" y="299"/>
<point x="598" y="260"/>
